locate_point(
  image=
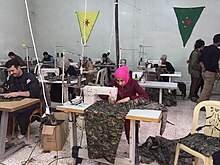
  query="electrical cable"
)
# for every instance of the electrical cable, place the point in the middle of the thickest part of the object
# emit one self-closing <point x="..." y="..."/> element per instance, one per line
<point x="56" y="146"/>
<point x="63" y="66"/>
<point x="112" y="30"/>
<point x="83" y="39"/>
<point x="59" y="159"/>
<point x="36" y="55"/>
<point x="31" y="153"/>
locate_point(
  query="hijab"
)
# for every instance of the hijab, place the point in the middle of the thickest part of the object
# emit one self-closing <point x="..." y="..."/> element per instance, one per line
<point x="123" y="73"/>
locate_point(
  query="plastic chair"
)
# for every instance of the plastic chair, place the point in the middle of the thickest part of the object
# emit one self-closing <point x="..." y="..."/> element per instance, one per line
<point x="100" y="78"/>
<point x="211" y="128"/>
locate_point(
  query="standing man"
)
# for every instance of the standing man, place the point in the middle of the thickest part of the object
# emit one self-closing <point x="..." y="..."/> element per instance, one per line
<point x="48" y="60"/>
<point x="21" y="84"/>
<point x="210" y="70"/>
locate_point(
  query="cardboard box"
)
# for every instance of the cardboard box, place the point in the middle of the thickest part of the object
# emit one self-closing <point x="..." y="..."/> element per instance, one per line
<point x="54" y="137"/>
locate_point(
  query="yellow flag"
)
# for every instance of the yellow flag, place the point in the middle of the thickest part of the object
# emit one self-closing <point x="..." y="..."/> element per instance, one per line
<point x="86" y="23"/>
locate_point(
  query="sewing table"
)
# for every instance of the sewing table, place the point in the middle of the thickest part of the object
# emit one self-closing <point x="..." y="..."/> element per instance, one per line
<point x="133" y="115"/>
<point x="171" y="75"/>
<point x="6" y="107"/>
<point x="159" y="85"/>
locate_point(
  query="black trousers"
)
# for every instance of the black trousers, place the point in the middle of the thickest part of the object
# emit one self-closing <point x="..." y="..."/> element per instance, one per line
<point x="216" y="158"/>
<point x="195" y="82"/>
<point x="22" y="117"/>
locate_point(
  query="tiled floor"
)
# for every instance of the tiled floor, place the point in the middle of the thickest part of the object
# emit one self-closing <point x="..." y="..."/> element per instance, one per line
<point x="180" y="115"/>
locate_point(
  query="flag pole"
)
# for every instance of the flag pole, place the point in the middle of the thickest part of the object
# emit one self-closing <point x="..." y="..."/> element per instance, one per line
<point x="117" y="34"/>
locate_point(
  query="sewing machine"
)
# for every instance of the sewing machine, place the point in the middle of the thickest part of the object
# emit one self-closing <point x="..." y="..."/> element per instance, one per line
<point x="91" y="93"/>
<point x="45" y="71"/>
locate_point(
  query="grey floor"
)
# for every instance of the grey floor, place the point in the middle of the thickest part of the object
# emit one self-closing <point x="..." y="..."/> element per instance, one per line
<point x="180" y="115"/>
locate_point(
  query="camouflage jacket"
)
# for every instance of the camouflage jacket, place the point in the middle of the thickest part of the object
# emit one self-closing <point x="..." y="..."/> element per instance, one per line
<point x="163" y="150"/>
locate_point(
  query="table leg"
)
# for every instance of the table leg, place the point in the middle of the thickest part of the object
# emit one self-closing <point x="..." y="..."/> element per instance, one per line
<point x="72" y="131"/>
<point x="132" y="145"/>
<point x="170" y="79"/>
<point x="65" y="93"/>
<point x="3" y="131"/>
<point x="160" y="95"/>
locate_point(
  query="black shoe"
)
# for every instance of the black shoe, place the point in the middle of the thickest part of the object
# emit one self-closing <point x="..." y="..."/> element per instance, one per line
<point x="194" y="99"/>
<point x="197" y="96"/>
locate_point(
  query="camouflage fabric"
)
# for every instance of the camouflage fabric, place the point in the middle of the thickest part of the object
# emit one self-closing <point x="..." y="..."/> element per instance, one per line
<point x="163" y="151"/>
<point x="58" y="78"/>
<point x="206" y="145"/>
<point x="104" y="124"/>
<point x="169" y="99"/>
<point x="2" y="99"/>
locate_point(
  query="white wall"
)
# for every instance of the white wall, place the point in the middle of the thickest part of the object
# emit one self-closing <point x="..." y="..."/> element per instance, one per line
<point x="142" y="22"/>
<point x="13" y="28"/>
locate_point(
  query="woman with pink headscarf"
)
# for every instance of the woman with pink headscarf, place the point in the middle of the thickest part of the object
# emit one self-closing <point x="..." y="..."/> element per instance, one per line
<point x="128" y="89"/>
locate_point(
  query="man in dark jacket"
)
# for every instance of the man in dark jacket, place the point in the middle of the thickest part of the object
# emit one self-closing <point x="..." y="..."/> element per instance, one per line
<point x="21" y="84"/>
<point x="210" y="70"/>
<point x="48" y="60"/>
<point x="12" y="55"/>
<point x="167" y="66"/>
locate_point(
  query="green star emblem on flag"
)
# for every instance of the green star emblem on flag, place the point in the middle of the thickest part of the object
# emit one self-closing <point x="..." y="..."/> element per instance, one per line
<point x="187" y="18"/>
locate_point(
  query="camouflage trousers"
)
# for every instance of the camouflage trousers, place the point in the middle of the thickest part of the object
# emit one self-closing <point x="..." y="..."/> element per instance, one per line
<point x="104" y="124"/>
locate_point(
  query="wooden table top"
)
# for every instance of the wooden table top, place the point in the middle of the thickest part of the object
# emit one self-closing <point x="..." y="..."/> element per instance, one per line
<point x="12" y="106"/>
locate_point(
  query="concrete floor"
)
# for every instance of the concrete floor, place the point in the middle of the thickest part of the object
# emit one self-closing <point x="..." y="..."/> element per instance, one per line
<point x="180" y="115"/>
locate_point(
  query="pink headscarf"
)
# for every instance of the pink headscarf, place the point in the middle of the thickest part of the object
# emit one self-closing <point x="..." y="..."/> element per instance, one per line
<point x="123" y="73"/>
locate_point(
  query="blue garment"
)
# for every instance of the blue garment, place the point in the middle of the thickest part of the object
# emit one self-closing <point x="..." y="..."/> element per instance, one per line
<point x="48" y="61"/>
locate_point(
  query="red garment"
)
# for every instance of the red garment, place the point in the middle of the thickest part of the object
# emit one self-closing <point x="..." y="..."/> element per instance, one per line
<point x="132" y="89"/>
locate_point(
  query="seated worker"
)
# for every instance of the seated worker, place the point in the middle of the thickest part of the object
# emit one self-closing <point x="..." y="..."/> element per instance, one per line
<point x="167" y="66"/>
<point x="12" y="55"/>
<point x="105" y="59"/>
<point x="48" y="60"/>
<point x="141" y="64"/>
<point x="88" y="65"/>
<point x="128" y="89"/>
<point x="21" y="84"/>
<point x="56" y="89"/>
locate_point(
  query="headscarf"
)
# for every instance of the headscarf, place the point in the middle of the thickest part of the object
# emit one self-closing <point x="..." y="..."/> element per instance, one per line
<point x="123" y="73"/>
<point x="66" y="64"/>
